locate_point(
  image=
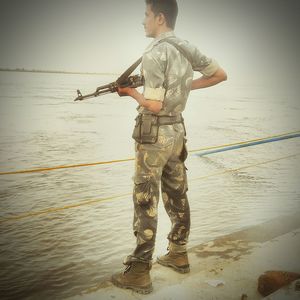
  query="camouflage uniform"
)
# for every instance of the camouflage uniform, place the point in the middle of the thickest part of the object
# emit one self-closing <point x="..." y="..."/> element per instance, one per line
<point x="168" y="77"/>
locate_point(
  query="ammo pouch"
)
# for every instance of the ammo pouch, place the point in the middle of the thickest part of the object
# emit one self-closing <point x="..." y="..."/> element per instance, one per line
<point x="147" y="125"/>
<point x="146" y="129"/>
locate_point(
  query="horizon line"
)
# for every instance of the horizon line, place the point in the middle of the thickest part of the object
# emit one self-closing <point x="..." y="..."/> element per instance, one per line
<point x="53" y="71"/>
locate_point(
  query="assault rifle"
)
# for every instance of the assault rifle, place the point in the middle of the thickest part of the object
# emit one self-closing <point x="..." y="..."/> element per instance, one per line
<point x="123" y="81"/>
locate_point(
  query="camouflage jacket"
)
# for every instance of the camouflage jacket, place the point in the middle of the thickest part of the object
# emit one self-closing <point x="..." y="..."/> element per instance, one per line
<point x="169" y="74"/>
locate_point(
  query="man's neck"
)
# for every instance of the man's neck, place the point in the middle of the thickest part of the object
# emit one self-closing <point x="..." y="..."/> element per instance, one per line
<point x="162" y="30"/>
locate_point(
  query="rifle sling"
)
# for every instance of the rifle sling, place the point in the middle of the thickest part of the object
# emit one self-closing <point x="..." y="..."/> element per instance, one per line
<point x="180" y="49"/>
<point x="126" y="74"/>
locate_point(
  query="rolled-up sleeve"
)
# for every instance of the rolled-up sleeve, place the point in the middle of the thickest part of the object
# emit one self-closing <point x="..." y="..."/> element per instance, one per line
<point x="205" y="65"/>
<point x="154" y="75"/>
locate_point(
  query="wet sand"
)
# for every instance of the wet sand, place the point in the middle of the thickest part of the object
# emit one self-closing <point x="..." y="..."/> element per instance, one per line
<point x="233" y="263"/>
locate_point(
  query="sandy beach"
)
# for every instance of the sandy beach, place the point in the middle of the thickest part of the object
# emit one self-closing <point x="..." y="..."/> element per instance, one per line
<point x="226" y="268"/>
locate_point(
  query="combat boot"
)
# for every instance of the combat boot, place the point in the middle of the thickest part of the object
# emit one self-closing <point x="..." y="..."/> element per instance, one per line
<point x="176" y="258"/>
<point x="135" y="277"/>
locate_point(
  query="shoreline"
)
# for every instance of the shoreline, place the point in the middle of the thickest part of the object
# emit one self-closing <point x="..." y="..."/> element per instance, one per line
<point x="225" y="268"/>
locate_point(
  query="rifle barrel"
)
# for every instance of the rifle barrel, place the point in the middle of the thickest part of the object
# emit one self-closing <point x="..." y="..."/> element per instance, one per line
<point x="106" y="86"/>
<point x="93" y="95"/>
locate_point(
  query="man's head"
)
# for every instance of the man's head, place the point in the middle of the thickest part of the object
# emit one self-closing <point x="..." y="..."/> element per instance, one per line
<point x="160" y="16"/>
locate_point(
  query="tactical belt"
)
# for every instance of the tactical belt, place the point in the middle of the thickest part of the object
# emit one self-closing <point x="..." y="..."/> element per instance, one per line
<point x="147" y="126"/>
<point x="169" y="120"/>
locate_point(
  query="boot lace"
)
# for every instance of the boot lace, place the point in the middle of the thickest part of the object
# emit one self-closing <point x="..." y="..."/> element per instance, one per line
<point x="128" y="267"/>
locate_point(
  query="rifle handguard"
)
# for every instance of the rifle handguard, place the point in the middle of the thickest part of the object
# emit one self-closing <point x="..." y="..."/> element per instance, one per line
<point x="132" y="81"/>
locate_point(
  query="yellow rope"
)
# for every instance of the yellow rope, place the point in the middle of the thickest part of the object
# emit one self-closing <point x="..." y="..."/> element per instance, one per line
<point x="57" y="209"/>
<point x="46" y="169"/>
<point x="89" y="202"/>
<point x="65" y="167"/>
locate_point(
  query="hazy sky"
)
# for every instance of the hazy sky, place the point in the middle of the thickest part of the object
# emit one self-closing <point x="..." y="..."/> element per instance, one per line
<point x="248" y="37"/>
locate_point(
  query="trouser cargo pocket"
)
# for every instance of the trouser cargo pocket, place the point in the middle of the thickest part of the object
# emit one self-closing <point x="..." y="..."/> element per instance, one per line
<point x="143" y="190"/>
<point x="184" y="153"/>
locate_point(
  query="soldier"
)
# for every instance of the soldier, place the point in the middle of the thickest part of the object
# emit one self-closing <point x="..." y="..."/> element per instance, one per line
<point x="167" y="66"/>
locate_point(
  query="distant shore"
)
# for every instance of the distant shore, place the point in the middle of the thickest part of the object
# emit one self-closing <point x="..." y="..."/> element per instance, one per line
<point x="52" y="71"/>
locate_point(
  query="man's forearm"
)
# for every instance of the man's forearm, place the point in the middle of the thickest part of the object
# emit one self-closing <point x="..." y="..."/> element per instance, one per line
<point x="140" y="99"/>
<point x="204" y="82"/>
<point x="154" y="106"/>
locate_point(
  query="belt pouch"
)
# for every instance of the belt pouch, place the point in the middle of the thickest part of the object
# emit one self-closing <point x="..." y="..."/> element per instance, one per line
<point x="146" y="129"/>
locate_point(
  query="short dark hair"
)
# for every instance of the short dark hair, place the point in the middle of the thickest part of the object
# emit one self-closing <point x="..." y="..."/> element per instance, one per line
<point x="168" y="8"/>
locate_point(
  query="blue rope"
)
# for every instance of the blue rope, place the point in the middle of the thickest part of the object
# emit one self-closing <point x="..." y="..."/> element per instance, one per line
<point x="270" y="140"/>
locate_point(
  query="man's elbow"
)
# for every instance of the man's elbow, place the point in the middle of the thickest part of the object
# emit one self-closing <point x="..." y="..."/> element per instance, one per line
<point x="156" y="111"/>
<point x="222" y="75"/>
<point x="224" y="78"/>
<point x="155" y="106"/>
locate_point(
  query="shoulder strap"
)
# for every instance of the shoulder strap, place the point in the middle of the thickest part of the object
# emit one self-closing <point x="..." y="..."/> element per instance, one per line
<point x="180" y="49"/>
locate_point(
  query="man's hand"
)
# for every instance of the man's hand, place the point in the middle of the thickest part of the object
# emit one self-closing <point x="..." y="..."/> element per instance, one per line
<point x="125" y="91"/>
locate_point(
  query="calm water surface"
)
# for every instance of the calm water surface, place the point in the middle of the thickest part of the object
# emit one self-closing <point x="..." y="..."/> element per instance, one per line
<point x="60" y="254"/>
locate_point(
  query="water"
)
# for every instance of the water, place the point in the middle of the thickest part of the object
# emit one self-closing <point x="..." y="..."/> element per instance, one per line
<point x="60" y="254"/>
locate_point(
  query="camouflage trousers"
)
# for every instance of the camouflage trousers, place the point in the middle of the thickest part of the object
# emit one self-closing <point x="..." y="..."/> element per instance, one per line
<point x="160" y="164"/>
